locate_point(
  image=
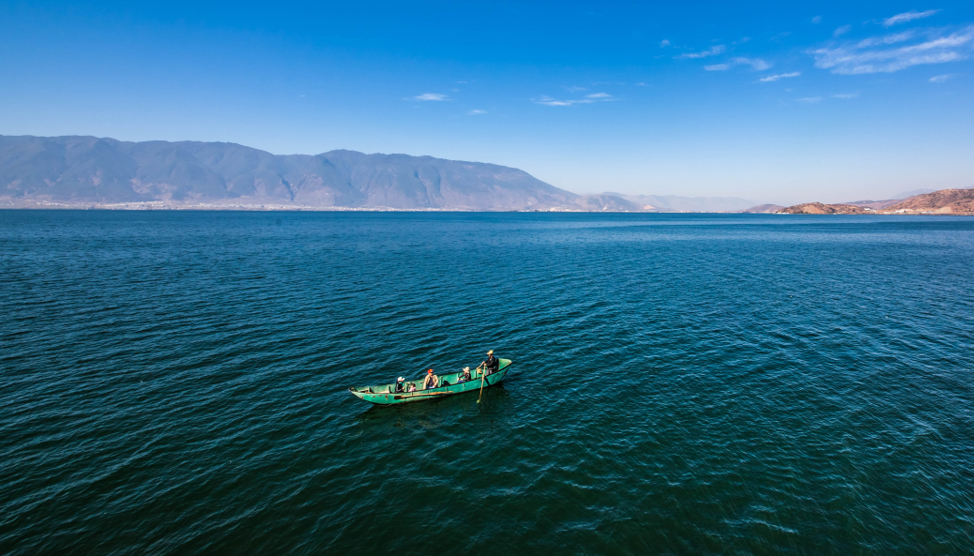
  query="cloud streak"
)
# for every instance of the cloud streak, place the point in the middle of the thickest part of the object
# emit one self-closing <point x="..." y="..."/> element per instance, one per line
<point x="941" y="78"/>
<point x="875" y="55"/>
<point x="907" y="16"/>
<point x="719" y="49"/>
<point x="888" y="39"/>
<point x="756" y="63"/>
<point x="589" y="99"/>
<point x="430" y="97"/>
<point x="772" y="78"/>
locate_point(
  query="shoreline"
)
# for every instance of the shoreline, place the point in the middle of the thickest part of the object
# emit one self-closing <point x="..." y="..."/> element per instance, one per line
<point x="208" y="207"/>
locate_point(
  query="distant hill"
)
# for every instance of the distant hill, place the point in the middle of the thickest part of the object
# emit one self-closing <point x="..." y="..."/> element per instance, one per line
<point x="83" y="170"/>
<point x="945" y="201"/>
<point x="819" y="208"/>
<point x="875" y="205"/>
<point x="608" y="202"/>
<point x="879" y="205"/>
<point x="764" y="209"/>
<point x="676" y="203"/>
<point x="908" y="194"/>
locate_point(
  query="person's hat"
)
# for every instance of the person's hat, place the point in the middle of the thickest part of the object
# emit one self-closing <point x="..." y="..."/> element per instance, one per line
<point x="466" y="368"/>
<point x="401" y="379"/>
<point x="429" y="372"/>
<point x="491" y="352"/>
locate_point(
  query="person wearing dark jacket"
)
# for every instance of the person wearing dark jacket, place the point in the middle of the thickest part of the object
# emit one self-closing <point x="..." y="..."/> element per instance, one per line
<point x="491" y="364"/>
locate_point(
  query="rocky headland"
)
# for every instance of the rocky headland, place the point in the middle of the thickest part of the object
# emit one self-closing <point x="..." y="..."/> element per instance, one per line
<point x="944" y="201"/>
<point x="820" y="208"/>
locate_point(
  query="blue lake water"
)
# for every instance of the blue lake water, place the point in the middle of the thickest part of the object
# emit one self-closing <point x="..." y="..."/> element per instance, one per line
<point x="176" y="383"/>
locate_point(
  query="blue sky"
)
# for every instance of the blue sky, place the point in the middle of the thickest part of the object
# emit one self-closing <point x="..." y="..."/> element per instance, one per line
<point x="771" y="102"/>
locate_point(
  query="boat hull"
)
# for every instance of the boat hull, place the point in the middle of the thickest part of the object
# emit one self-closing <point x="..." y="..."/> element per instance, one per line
<point x="386" y="394"/>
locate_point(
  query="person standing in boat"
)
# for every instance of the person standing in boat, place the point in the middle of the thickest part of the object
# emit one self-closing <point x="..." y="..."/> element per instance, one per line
<point x="431" y="380"/>
<point x="400" y="387"/>
<point x="491" y="364"/>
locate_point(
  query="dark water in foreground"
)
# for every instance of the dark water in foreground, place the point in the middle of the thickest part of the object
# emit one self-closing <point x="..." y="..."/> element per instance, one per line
<point x="174" y="383"/>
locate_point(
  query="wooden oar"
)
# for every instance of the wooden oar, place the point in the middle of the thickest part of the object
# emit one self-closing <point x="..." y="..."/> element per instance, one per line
<point x="483" y="375"/>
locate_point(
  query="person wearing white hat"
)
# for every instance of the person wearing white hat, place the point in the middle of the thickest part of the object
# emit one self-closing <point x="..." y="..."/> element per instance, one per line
<point x="491" y="364"/>
<point x="400" y="387"/>
<point x="464" y="376"/>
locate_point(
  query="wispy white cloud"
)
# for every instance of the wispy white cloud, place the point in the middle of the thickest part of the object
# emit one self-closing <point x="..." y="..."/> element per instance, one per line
<point x="941" y="78"/>
<point x="888" y="39"/>
<point x="772" y="78"/>
<point x="719" y="49"/>
<point x="809" y="100"/>
<point x="642" y="84"/>
<point x="817" y="19"/>
<point x="839" y="31"/>
<point x="756" y="63"/>
<point x="589" y="99"/>
<point x="846" y="96"/>
<point x="548" y="101"/>
<point x="908" y="16"/>
<point x="875" y="56"/>
<point x="664" y="43"/>
<point x="574" y="89"/>
<point x="430" y="96"/>
<point x="475" y="112"/>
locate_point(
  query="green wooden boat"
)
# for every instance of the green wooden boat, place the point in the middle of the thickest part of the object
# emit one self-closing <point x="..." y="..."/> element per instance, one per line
<point x="449" y="385"/>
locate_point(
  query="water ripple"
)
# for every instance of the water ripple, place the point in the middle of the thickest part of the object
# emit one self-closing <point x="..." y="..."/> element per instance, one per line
<point x="175" y="383"/>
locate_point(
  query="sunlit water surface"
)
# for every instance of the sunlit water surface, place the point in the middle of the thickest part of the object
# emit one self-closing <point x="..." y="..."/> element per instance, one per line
<point x="176" y="382"/>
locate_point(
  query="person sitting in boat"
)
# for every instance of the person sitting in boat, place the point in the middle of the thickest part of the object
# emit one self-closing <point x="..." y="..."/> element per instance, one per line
<point x="400" y="386"/>
<point x="412" y="387"/>
<point x="431" y="380"/>
<point x="491" y="364"/>
<point x="464" y="376"/>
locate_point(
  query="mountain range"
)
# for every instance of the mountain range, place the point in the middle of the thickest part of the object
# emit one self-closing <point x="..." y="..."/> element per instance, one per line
<point x="95" y="170"/>
<point x="92" y="171"/>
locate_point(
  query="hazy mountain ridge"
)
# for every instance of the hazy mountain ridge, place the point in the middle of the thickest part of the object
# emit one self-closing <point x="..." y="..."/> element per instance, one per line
<point x="676" y="203"/>
<point x="764" y="209"/>
<point x="90" y="169"/>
